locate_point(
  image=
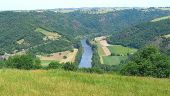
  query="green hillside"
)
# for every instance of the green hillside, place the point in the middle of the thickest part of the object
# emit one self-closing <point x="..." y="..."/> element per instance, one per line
<point x="16" y="26"/>
<point x="161" y="18"/>
<point x="63" y="83"/>
<point x="140" y="35"/>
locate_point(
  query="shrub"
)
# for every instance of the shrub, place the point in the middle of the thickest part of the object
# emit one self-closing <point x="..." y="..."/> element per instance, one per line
<point x="64" y="57"/>
<point x="23" y="62"/>
<point x="70" y="66"/>
<point x="54" y="65"/>
<point x="2" y="64"/>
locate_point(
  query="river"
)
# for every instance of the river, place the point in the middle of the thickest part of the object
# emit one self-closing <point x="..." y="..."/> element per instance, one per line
<point x="86" y="58"/>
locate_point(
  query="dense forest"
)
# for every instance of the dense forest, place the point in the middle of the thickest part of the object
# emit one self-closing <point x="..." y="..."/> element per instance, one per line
<point x="145" y="34"/>
<point x="21" y="26"/>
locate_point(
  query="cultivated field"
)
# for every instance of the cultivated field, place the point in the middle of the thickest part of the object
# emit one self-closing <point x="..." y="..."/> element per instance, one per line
<point x="112" y="54"/>
<point x="62" y="57"/>
<point x="63" y="83"/>
<point x="121" y="50"/>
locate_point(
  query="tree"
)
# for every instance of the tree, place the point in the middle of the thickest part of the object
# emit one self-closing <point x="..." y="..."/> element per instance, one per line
<point x="148" y="62"/>
<point x="54" y="65"/>
<point x="23" y="62"/>
<point x="70" y="66"/>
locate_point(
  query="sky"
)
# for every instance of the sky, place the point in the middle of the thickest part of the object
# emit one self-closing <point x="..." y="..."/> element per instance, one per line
<point x="51" y="4"/>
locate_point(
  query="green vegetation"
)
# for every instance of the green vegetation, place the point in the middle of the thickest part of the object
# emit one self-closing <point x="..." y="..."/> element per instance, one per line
<point x="113" y="60"/>
<point x="144" y="34"/>
<point x="48" y="35"/>
<point x="70" y="66"/>
<point x="100" y="49"/>
<point x="54" y="65"/>
<point x="118" y="54"/>
<point x="148" y="62"/>
<point x="59" y="82"/>
<point x="161" y="18"/>
<point x="71" y="26"/>
<point x="46" y="62"/>
<point x="23" y="62"/>
<point x="121" y="50"/>
<point x="167" y="36"/>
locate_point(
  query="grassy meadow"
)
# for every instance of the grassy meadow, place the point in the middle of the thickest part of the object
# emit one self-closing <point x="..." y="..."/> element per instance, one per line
<point x="121" y="50"/>
<point x="113" y="60"/>
<point x="64" y="83"/>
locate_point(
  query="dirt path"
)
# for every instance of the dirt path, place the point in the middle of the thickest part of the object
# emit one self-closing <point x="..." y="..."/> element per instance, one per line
<point x="102" y="41"/>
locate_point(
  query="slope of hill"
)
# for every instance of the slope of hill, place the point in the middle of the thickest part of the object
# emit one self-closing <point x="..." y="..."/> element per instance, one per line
<point x="142" y="34"/>
<point x="22" y="25"/>
<point x="161" y="18"/>
<point x="64" y="83"/>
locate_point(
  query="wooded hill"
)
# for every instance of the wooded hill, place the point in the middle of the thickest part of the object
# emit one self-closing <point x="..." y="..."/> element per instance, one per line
<point x="18" y="30"/>
<point x="155" y="33"/>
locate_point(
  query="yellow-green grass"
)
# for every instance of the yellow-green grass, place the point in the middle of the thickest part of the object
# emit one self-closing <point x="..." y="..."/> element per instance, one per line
<point x="165" y="9"/>
<point x="62" y="83"/>
<point x="121" y="50"/>
<point x="113" y="60"/>
<point x="167" y="36"/>
<point x="100" y="49"/>
<point x="161" y="18"/>
<point x="46" y="62"/>
<point x="48" y="34"/>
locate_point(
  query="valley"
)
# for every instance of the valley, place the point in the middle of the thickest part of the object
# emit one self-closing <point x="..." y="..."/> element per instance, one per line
<point x="85" y="52"/>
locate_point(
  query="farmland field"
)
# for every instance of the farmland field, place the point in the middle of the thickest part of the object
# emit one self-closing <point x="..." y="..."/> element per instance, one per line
<point x="121" y="50"/>
<point x="113" y="60"/>
<point x="64" y="83"/>
<point x="59" y="56"/>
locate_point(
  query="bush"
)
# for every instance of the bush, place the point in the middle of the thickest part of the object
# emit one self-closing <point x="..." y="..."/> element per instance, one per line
<point x="23" y="62"/>
<point x="54" y="65"/>
<point x="64" y="57"/>
<point x="2" y="64"/>
<point x="148" y="62"/>
<point x="70" y="66"/>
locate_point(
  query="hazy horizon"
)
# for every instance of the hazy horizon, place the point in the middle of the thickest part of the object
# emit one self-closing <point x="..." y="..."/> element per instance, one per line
<point x="53" y="4"/>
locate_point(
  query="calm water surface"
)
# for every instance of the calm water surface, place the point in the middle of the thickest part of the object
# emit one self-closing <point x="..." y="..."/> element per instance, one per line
<point x="86" y="56"/>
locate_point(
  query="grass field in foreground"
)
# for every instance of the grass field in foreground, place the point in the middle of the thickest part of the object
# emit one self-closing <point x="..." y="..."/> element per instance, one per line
<point x="62" y="83"/>
<point x="118" y="49"/>
<point x="113" y="60"/>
